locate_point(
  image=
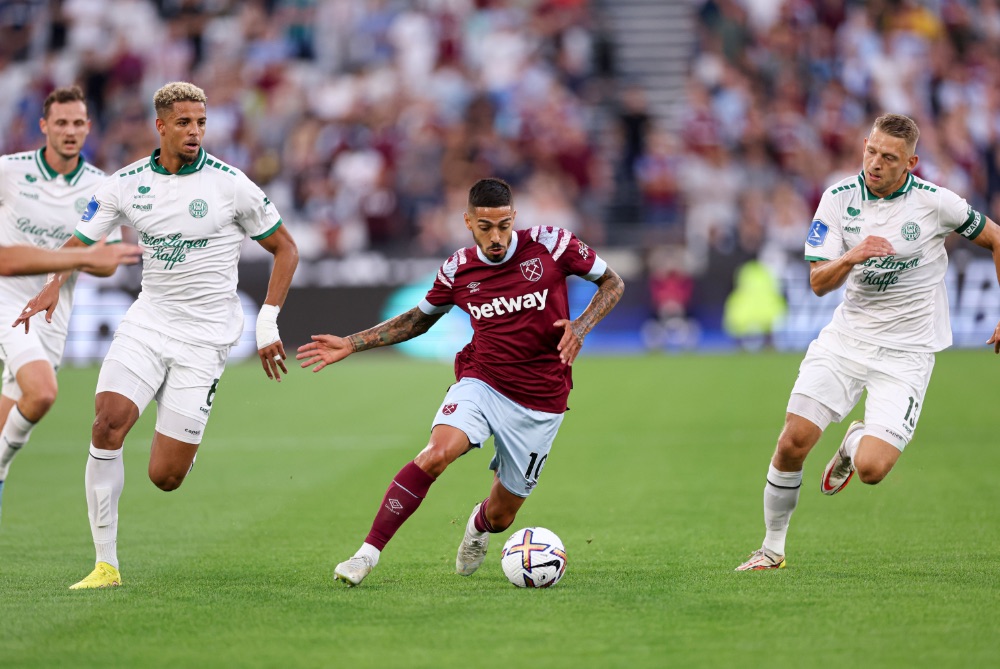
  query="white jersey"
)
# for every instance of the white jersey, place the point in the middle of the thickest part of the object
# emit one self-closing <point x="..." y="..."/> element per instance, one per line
<point x="191" y="228"/>
<point x="898" y="301"/>
<point x="38" y="207"/>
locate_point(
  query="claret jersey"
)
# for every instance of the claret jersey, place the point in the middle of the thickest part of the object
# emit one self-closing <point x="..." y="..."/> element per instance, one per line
<point x="512" y="305"/>
<point x="191" y="226"/>
<point x="898" y="301"/>
<point x="38" y="207"/>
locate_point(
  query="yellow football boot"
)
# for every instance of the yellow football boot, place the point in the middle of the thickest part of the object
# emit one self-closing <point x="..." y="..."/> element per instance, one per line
<point x="103" y="576"/>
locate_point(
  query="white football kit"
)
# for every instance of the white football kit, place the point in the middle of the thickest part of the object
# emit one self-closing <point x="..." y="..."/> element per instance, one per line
<point x="895" y="315"/>
<point x="191" y="227"/>
<point x="38" y="207"/>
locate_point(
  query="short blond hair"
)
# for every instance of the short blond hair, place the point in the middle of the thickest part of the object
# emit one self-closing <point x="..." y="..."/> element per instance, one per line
<point x="897" y="125"/>
<point x="177" y="91"/>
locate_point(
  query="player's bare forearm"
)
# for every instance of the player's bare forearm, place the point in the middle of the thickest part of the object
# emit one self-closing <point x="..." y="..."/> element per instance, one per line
<point x="610" y="288"/>
<point x="828" y="275"/>
<point x="403" y="327"/>
<point x="286" y="259"/>
<point x="989" y="238"/>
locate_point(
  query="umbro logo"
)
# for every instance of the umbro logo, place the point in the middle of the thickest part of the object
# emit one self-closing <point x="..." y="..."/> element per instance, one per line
<point x="474" y="287"/>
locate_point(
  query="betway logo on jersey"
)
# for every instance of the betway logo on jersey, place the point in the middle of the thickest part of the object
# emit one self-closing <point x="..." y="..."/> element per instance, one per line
<point x="502" y="305"/>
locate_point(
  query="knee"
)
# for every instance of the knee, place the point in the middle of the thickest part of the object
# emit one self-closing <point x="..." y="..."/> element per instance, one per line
<point x="108" y="431"/>
<point x="434" y="459"/>
<point x="871" y="473"/>
<point x="35" y="405"/>
<point x="793" y="447"/>
<point x="165" y="481"/>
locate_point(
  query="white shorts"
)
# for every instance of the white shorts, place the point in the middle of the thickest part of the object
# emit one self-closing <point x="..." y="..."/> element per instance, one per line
<point x="522" y="437"/>
<point x="837" y="367"/>
<point x="17" y="348"/>
<point x="182" y="377"/>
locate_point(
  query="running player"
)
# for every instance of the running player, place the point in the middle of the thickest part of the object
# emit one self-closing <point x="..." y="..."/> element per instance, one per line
<point x="40" y="193"/>
<point x="883" y="233"/>
<point x="192" y="213"/>
<point x="513" y="377"/>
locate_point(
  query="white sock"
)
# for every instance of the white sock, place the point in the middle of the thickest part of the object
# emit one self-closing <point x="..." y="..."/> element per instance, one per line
<point x="104" y="481"/>
<point x="853" y="442"/>
<point x="15" y="434"/>
<point x="781" y="495"/>
<point x="370" y="552"/>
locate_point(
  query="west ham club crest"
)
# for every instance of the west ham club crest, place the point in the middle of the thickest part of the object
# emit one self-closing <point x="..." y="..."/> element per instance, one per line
<point x="449" y="409"/>
<point x="532" y="269"/>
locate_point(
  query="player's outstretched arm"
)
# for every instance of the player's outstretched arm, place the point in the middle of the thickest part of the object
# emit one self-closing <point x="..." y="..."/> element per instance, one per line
<point x="104" y="258"/>
<point x="828" y="275"/>
<point x="327" y="349"/>
<point x="989" y="238"/>
<point x="609" y="290"/>
<point x="97" y="255"/>
<point x="23" y="260"/>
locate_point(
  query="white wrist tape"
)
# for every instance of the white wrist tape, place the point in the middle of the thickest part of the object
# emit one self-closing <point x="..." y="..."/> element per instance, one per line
<point x="267" y="326"/>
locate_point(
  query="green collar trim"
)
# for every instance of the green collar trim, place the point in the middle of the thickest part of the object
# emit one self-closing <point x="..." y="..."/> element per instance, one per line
<point x="199" y="162"/>
<point x="48" y="173"/>
<point x="902" y="190"/>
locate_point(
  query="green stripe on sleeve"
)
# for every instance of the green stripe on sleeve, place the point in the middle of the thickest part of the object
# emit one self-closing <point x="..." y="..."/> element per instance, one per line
<point x="265" y="235"/>
<point x="816" y="259"/>
<point x="84" y="238"/>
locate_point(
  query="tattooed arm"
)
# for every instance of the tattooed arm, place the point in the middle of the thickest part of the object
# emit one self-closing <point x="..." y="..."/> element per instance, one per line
<point x="609" y="290"/>
<point x="327" y="349"/>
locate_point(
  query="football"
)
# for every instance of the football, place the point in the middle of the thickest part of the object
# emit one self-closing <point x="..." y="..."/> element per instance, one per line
<point x="533" y="558"/>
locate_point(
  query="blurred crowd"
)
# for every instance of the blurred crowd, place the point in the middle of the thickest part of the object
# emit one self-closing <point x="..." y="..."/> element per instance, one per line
<point x="366" y="120"/>
<point x="779" y="97"/>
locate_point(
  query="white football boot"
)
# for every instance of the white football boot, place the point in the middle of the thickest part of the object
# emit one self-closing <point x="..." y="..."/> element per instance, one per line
<point x="472" y="550"/>
<point x="840" y="469"/>
<point x="353" y="571"/>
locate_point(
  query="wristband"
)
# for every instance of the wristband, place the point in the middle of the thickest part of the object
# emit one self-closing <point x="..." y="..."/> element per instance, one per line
<point x="267" y="326"/>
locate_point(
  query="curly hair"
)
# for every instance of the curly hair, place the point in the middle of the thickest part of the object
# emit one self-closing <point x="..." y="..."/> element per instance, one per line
<point x="177" y="91"/>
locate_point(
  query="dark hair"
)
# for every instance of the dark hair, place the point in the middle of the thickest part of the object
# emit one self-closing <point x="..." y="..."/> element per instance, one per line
<point x="61" y="95"/>
<point x="490" y="192"/>
<point x="897" y="125"/>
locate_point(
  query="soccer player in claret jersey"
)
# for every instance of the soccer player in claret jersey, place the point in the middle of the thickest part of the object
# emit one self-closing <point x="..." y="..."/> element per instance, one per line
<point x="41" y="192"/>
<point x="192" y="213"/>
<point x="513" y="378"/>
<point x="883" y="233"/>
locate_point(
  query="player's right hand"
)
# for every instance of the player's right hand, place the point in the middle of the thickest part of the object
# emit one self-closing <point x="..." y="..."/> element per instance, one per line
<point x="871" y="246"/>
<point x="46" y="301"/>
<point x="323" y="350"/>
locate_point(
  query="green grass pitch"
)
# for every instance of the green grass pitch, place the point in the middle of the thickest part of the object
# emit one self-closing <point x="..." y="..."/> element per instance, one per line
<point x="654" y="484"/>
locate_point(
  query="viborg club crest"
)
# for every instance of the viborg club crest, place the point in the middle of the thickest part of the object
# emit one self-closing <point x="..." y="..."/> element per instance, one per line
<point x="449" y="409"/>
<point x="198" y="208"/>
<point x="532" y="269"/>
<point x="910" y="231"/>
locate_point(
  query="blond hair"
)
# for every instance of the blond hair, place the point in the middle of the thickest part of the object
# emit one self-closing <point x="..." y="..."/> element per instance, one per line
<point x="897" y="125"/>
<point x="177" y="91"/>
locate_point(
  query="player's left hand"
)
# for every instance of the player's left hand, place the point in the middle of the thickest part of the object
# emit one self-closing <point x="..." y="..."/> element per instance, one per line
<point x="272" y="358"/>
<point x="571" y="342"/>
<point x="995" y="339"/>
